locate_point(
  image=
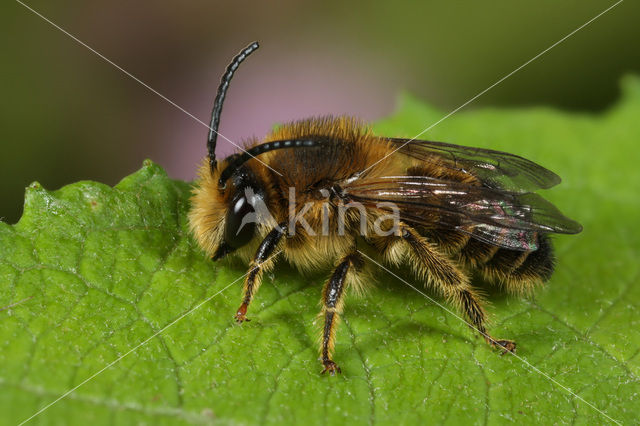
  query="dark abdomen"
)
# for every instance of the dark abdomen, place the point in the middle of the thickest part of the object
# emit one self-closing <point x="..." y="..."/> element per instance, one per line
<point x="517" y="270"/>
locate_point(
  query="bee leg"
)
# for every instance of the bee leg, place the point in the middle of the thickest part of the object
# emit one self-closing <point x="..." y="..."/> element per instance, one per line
<point x="261" y="262"/>
<point x="471" y="304"/>
<point x="446" y="277"/>
<point x="332" y="303"/>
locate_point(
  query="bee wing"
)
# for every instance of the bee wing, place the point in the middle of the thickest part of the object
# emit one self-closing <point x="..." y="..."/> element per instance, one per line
<point x="496" y="169"/>
<point x="496" y="216"/>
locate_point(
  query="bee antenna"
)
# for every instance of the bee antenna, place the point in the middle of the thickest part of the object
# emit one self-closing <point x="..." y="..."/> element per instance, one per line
<point x="237" y="160"/>
<point x="222" y="92"/>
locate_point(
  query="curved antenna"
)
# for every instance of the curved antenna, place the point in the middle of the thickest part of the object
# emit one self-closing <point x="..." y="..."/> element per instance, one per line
<point x="239" y="159"/>
<point x="222" y="92"/>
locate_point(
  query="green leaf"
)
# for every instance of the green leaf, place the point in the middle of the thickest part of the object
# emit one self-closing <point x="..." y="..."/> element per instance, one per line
<point x="90" y="272"/>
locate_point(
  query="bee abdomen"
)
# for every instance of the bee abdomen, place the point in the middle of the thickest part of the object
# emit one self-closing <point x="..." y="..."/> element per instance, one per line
<point x="476" y="253"/>
<point x="504" y="263"/>
<point x="447" y="241"/>
<point x="517" y="270"/>
<point x="539" y="264"/>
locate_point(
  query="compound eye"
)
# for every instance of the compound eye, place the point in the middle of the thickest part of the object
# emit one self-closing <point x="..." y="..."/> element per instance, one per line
<point x="240" y="223"/>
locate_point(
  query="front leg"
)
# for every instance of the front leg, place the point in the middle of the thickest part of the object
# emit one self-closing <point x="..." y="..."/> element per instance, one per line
<point x="332" y="302"/>
<point x="261" y="262"/>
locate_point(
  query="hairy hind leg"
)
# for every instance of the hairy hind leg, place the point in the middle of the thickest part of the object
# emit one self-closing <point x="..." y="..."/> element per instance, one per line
<point x="444" y="275"/>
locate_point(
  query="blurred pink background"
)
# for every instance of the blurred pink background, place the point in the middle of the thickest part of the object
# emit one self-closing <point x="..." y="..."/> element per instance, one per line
<point x="67" y="115"/>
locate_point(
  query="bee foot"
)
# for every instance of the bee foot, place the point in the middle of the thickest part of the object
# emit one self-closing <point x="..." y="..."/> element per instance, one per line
<point x="331" y="367"/>
<point x="241" y="315"/>
<point x="505" y="345"/>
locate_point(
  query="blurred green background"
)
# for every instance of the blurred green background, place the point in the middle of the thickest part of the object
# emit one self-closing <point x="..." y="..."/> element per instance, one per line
<point x="68" y="115"/>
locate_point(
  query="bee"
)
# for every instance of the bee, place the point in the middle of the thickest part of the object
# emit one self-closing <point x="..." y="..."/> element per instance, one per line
<point x="317" y="191"/>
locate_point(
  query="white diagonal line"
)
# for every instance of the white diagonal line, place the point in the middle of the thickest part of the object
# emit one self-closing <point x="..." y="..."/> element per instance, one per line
<point x="141" y="344"/>
<point x="140" y="81"/>
<point x="534" y="368"/>
<point x="494" y="84"/>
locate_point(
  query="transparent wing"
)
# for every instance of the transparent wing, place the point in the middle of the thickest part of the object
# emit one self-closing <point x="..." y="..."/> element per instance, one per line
<point x="494" y="169"/>
<point x="496" y="216"/>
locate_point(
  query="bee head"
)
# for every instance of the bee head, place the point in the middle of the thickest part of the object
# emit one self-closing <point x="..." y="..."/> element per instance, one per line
<point x="224" y="219"/>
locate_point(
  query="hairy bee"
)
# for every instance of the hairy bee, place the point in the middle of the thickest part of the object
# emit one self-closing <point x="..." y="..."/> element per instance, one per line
<point x="316" y="190"/>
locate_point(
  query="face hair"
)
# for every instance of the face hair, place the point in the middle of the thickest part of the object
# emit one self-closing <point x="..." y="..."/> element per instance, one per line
<point x="217" y="105"/>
